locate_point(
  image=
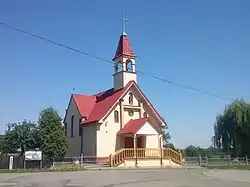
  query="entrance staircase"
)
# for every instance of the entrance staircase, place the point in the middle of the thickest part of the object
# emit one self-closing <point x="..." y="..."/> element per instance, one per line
<point x="145" y="157"/>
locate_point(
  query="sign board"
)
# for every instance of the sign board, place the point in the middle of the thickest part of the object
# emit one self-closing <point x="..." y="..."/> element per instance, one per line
<point x="33" y="155"/>
<point x="11" y="163"/>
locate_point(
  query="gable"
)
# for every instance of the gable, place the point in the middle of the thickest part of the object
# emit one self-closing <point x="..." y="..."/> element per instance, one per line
<point x="147" y="105"/>
<point x="138" y="95"/>
<point x="147" y="129"/>
<point x="135" y="95"/>
<point x="72" y="109"/>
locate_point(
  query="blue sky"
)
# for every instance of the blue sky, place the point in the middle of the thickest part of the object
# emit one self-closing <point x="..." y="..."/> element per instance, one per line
<point x="204" y="44"/>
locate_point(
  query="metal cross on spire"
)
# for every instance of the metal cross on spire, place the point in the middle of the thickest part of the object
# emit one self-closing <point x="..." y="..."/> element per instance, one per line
<point x="124" y="20"/>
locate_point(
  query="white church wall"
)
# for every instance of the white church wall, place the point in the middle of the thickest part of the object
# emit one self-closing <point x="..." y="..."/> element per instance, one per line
<point x="152" y="141"/>
<point x="107" y="139"/>
<point x="118" y="80"/>
<point x="74" y="143"/>
<point x="147" y="129"/>
<point x="128" y="76"/>
<point x="89" y="139"/>
<point x="127" y="117"/>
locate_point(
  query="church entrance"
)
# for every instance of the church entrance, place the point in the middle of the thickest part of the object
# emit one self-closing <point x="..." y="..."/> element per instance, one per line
<point x="140" y="142"/>
<point x="128" y="142"/>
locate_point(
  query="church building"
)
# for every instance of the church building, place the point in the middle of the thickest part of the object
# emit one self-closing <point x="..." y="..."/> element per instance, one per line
<point x="118" y="119"/>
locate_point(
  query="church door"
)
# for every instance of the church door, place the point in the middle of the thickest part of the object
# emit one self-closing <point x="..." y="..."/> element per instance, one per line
<point x="141" y="144"/>
<point x="129" y="142"/>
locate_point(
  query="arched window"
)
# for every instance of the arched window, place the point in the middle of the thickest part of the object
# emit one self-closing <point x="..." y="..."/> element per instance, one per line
<point x="129" y="65"/>
<point x="65" y="129"/>
<point x="145" y="115"/>
<point x="116" y="116"/>
<point x="130" y="99"/>
<point x="72" y="126"/>
<point x="80" y="127"/>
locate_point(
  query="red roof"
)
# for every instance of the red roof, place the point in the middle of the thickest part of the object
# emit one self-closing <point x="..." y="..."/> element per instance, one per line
<point x="124" y="48"/>
<point x="133" y="126"/>
<point x="94" y="107"/>
<point x="85" y="103"/>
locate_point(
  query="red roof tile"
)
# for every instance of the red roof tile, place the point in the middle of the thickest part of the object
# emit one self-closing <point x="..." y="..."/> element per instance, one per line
<point x="124" y="48"/>
<point x="84" y="103"/>
<point x="133" y="126"/>
<point x="104" y="102"/>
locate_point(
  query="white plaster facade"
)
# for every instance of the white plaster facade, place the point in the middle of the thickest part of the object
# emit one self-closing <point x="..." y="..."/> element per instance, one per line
<point x="74" y="140"/>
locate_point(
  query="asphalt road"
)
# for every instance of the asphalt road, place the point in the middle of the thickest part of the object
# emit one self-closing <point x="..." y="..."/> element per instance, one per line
<point x="130" y="178"/>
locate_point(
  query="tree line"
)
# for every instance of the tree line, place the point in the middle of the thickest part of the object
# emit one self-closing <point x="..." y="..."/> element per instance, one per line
<point x="231" y="134"/>
<point x="232" y="129"/>
<point x="47" y="135"/>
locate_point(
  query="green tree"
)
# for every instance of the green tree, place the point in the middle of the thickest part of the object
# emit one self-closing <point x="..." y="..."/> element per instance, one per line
<point x="19" y="136"/>
<point x="51" y="132"/>
<point x="1" y="142"/>
<point x="166" y="137"/>
<point x="170" y="145"/>
<point x="232" y="129"/>
<point x="191" y="151"/>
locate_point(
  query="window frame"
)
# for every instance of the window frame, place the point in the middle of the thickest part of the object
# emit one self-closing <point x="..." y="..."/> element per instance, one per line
<point x="116" y="116"/>
<point x="80" y="127"/>
<point x="131" y="98"/>
<point x="72" y="126"/>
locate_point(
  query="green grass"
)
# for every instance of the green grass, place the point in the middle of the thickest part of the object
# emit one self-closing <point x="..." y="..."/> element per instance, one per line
<point x="42" y="170"/>
<point x="58" y="168"/>
<point x="66" y="165"/>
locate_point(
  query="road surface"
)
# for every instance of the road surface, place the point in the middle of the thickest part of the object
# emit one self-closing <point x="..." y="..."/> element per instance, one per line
<point x="130" y="178"/>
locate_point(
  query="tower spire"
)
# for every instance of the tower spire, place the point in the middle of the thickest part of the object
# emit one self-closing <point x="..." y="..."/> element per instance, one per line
<point x="125" y="59"/>
<point x="124" y="48"/>
<point x="123" y="21"/>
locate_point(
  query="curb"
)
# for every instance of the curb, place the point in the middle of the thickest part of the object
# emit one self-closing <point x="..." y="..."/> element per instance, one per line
<point x="138" y="168"/>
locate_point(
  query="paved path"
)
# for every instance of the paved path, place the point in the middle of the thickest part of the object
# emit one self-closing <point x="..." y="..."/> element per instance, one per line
<point x="122" y="178"/>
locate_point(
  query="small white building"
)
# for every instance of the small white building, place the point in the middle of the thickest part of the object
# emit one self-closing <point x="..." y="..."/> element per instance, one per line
<point x="117" y="120"/>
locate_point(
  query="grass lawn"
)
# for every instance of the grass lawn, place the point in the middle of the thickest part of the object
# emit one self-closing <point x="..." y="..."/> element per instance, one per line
<point x="57" y="168"/>
<point x="40" y="170"/>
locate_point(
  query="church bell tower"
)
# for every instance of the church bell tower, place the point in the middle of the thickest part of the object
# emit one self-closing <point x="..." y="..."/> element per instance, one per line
<point x="124" y="62"/>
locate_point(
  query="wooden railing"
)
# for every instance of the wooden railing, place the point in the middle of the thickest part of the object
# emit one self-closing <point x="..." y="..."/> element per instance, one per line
<point x="173" y="155"/>
<point x="144" y="153"/>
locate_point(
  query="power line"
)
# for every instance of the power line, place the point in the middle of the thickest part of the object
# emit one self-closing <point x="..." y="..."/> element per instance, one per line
<point x="53" y="42"/>
<point x="110" y="62"/>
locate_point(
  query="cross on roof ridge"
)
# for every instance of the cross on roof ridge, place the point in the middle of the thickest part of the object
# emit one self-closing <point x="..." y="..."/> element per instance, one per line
<point x="123" y="20"/>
